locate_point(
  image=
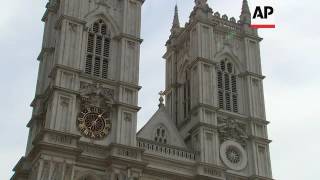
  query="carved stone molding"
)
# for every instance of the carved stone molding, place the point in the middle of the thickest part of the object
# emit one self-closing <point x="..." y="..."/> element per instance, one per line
<point x="232" y="129"/>
<point x="59" y="138"/>
<point x="96" y="95"/>
<point x="93" y="150"/>
<point x="233" y="155"/>
<point x="209" y="171"/>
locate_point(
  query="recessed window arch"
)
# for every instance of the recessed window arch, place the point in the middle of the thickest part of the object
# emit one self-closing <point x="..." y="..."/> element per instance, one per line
<point x="98" y="50"/>
<point x="227" y="86"/>
<point x="161" y="135"/>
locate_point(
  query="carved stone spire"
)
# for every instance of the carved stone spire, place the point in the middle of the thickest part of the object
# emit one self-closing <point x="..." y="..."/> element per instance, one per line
<point x="245" y="16"/>
<point x="176" y="22"/>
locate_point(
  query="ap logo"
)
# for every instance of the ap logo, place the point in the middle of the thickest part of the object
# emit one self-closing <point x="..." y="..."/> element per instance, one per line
<point x="263" y="13"/>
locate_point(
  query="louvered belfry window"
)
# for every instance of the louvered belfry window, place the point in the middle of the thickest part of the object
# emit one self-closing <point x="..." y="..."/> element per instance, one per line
<point x="98" y="50"/>
<point x="227" y="86"/>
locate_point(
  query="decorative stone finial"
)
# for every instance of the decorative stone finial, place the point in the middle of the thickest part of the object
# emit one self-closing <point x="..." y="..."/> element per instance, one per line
<point x="201" y="9"/>
<point x="176" y="22"/>
<point x="200" y="2"/>
<point x="245" y="16"/>
<point x="161" y="99"/>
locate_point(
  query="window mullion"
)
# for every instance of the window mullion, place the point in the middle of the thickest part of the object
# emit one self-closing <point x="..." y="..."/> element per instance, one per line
<point x="94" y="53"/>
<point x="99" y="50"/>
<point x="224" y="90"/>
<point x="101" y="65"/>
<point x="102" y="54"/>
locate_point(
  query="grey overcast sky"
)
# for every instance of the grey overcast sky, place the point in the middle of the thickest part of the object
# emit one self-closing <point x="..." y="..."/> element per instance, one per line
<point x="290" y="56"/>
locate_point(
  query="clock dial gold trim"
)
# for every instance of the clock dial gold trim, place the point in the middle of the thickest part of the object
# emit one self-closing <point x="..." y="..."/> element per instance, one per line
<point x="94" y="123"/>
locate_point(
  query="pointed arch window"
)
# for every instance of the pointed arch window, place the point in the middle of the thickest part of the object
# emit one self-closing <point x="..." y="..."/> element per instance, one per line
<point x="98" y="50"/>
<point x="227" y="86"/>
<point x="160" y="135"/>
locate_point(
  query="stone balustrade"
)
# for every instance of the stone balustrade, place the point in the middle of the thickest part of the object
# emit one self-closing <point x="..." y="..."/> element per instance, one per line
<point x="165" y="150"/>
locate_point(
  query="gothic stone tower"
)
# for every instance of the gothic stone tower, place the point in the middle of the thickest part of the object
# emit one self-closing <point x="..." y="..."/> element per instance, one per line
<point x="212" y="127"/>
<point x="214" y="93"/>
<point x="84" y="118"/>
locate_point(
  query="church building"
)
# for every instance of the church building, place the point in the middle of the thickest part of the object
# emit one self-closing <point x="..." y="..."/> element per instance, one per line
<point x="211" y="122"/>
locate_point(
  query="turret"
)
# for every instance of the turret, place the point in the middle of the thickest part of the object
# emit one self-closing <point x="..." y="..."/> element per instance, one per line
<point x="176" y="23"/>
<point x="245" y="16"/>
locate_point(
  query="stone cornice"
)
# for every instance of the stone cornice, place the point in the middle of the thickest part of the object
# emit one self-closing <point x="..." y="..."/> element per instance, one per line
<point x="64" y="67"/>
<point x="238" y="176"/>
<point x="45" y="50"/>
<point x="109" y="81"/>
<point x="210" y="165"/>
<point x="94" y="162"/>
<point x="252" y="74"/>
<point x="232" y="114"/>
<point x="162" y="172"/>
<point x="65" y="90"/>
<point x="195" y="110"/>
<point x="206" y="106"/>
<point x="137" y="108"/>
<point x="69" y="18"/>
<point x="95" y="79"/>
<point x="202" y="124"/>
<point x="129" y="106"/>
<point x="122" y="154"/>
<point x="35" y="117"/>
<point x="255" y="37"/>
<point x="124" y="161"/>
<point x="260" y="139"/>
<point x="128" y="36"/>
<point x="130" y="85"/>
<point x="45" y="131"/>
<point x="42" y="143"/>
<point x="171" y="88"/>
<point x="258" y="120"/>
<point x="256" y="177"/>
<point x="113" y="145"/>
<point x="200" y="59"/>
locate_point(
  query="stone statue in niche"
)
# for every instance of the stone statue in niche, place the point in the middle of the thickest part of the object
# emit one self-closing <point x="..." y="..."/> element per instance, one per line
<point x="231" y="129"/>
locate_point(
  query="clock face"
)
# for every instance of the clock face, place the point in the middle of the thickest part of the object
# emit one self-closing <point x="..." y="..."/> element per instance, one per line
<point x="94" y="123"/>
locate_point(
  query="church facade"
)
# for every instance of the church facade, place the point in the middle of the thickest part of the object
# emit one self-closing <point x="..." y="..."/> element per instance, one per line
<point x="84" y="123"/>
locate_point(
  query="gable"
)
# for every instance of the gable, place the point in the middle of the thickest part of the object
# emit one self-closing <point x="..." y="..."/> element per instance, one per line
<point x="161" y="122"/>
